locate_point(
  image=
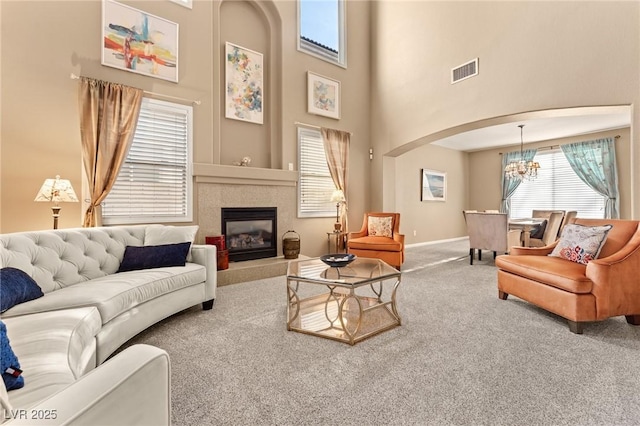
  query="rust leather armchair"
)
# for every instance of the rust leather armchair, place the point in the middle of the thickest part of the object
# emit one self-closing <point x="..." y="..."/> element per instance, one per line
<point x="605" y="287"/>
<point x="384" y="242"/>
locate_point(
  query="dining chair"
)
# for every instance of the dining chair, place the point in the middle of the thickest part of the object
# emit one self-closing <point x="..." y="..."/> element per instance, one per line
<point x="568" y="215"/>
<point x="490" y="231"/>
<point x="550" y="234"/>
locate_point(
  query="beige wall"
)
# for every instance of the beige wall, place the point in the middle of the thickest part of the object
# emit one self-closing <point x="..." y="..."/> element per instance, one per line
<point x="431" y="220"/>
<point x="396" y="95"/>
<point x="43" y="42"/>
<point x="533" y="56"/>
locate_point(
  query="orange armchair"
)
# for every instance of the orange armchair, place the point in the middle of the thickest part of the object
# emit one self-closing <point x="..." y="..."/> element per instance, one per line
<point x="603" y="288"/>
<point x="379" y="238"/>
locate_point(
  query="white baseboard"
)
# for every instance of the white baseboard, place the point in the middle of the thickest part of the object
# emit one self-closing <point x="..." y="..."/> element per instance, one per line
<point x="429" y="243"/>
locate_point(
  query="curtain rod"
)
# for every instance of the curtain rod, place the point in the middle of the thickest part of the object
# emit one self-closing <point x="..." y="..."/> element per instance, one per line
<point x="546" y="148"/>
<point x="297" y="123"/>
<point x="75" y="77"/>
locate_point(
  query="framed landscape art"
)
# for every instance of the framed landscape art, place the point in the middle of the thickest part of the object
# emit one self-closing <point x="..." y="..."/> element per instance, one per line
<point x="323" y="95"/>
<point x="434" y="186"/>
<point x="244" y="83"/>
<point x="136" y="41"/>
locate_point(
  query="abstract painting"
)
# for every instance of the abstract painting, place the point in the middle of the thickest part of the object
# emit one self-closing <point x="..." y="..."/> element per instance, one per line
<point x="244" y="84"/>
<point x="136" y="41"/>
<point x="323" y="95"/>
<point x="434" y="186"/>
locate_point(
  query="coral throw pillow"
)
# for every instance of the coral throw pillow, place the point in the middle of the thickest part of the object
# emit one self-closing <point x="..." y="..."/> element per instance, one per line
<point x="580" y="243"/>
<point x="380" y="226"/>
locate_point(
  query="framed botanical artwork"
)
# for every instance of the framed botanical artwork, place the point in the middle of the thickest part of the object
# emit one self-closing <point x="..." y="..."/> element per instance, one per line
<point x="244" y="80"/>
<point x="323" y="95"/>
<point x="434" y="186"/>
<point x="136" y="41"/>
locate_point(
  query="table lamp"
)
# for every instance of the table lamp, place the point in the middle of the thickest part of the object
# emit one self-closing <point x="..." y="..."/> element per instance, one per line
<point x="56" y="191"/>
<point x="338" y="197"/>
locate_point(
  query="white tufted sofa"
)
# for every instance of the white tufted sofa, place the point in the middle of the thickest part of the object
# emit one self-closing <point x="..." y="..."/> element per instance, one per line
<point x="88" y="310"/>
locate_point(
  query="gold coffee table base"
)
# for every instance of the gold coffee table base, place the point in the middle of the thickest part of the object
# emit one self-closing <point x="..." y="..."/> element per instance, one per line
<point x="340" y="313"/>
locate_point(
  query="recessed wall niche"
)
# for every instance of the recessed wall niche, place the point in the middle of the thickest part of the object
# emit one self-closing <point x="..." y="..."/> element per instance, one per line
<point x="247" y="24"/>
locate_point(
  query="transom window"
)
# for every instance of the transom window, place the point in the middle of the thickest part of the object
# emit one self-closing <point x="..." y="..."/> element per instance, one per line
<point x="556" y="188"/>
<point x="321" y="29"/>
<point x="155" y="181"/>
<point x="316" y="185"/>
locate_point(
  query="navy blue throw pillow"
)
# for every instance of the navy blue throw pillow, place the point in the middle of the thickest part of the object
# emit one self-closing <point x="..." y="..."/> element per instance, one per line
<point x="9" y="365"/>
<point x="16" y="287"/>
<point x="538" y="231"/>
<point x="148" y="257"/>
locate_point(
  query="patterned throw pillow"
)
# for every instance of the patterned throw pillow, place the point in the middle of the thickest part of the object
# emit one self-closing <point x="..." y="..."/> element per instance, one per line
<point x="380" y="226"/>
<point x="580" y="243"/>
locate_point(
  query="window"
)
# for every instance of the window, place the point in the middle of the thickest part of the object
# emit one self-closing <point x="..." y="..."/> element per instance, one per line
<point x="556" y="188"/>
<point x="154" y="183"/>
<point x="316" y="185"/>
<point x="321" y="29"/>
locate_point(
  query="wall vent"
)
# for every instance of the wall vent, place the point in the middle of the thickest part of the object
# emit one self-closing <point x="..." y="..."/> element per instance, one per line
<point x="464" y="71"/>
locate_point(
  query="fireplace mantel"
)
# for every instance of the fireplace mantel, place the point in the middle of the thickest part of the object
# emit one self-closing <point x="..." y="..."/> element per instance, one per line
<point x="217" y="173"/>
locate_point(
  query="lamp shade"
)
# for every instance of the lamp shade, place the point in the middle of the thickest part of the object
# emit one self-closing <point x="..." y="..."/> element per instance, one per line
<point x="57" y="191"/>
<point x="337" y="196"/>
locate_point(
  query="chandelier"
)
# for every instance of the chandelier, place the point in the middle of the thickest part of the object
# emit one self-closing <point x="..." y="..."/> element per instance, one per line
<point x="521" y="169"/>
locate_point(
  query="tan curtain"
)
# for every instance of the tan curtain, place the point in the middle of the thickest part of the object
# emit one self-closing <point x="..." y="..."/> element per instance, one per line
<point x="108" y="117"/>
<point x="336" y="147"/>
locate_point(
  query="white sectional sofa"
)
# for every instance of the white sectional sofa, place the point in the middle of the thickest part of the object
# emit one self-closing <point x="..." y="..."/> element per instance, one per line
<point x="88" y="311"/>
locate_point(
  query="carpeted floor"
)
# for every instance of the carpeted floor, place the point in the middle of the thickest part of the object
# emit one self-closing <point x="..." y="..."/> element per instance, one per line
<point x="462" y="356"/>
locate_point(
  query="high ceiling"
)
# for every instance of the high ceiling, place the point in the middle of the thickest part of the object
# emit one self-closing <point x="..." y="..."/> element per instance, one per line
<point x="539" y="127"/>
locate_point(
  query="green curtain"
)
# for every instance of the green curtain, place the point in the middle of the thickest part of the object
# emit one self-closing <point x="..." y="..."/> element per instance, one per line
<point x="510" y="185"/>
<point x="595" y="163"/>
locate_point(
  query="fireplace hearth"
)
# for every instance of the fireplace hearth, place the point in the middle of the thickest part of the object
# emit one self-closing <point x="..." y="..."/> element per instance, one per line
<point x="250" y="232"/>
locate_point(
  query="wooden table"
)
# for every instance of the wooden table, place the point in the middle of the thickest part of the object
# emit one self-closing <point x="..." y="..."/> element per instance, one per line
<point x="339" y="240"/>
<point x="526" y="225"/>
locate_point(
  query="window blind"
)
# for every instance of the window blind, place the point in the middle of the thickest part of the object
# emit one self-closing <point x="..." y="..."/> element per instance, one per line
<point x="154" y="183"/>
<point x="556" y="188"/>
<point x="316" y="185"/>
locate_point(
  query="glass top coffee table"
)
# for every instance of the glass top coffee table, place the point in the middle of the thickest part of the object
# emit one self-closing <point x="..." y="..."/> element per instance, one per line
<point x="348" y="304"/>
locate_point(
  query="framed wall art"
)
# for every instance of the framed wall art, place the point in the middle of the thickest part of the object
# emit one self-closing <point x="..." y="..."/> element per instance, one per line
<point x="323" y="95"/>
<point x="434" y="186"/>
<point x="244" y="76"/>
<point x="136" y="41"/>
<point x="185" y="3"/>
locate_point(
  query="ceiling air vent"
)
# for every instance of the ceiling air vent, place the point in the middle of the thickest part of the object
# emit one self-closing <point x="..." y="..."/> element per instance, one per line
<point x="464" y="71"/>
